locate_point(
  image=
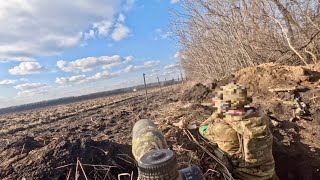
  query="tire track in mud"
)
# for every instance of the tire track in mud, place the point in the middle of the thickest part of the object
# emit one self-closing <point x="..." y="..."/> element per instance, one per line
<point x="103" y="126"/>
<point x="104" y="123"/>
<point x="61" y="118"/>
<point x="77" y="125"/>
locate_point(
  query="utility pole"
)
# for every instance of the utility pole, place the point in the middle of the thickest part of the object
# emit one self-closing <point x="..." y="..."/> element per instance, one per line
<point x="181" y="76"/>
<point x="145" y="86"/>
<point x="159" y="84"/>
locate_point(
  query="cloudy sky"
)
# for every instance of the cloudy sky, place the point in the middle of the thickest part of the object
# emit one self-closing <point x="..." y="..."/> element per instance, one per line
<point x="52" y="49"/>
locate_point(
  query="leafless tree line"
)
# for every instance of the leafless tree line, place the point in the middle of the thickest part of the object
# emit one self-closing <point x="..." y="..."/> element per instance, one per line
<point x="220" y="36"/>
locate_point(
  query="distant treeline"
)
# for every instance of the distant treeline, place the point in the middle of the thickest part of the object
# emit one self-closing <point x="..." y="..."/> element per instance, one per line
<point x="73" y="99"/>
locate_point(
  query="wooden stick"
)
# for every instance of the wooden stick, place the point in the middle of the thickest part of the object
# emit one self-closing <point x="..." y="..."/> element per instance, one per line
<point x="287" y="89"/>
<point x="69" y="174"/>
<point x="283" y="89"/>
<point x="76" y="174"/>
<point x="229" y="176"/>
<point x="22" y="148"/>
<point x="316" y="97"/>
<point x="84" y="173"/>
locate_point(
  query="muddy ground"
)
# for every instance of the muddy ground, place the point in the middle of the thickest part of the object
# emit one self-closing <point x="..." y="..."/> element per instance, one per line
<point x="47" y="143"/>
<point x="52" y="143"/>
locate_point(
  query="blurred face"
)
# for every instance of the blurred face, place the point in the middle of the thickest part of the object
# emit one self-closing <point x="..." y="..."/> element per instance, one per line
<point x="214" y="101"/>
<point x="216" y="104"/>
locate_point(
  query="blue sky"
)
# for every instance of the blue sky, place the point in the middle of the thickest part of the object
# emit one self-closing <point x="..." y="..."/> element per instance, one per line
<point x="52" y="49"/>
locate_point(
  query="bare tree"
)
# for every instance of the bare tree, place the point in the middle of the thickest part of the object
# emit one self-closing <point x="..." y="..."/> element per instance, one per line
<point x="218" y="37"/>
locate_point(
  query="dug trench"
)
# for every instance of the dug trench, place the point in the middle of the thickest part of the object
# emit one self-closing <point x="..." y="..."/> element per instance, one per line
<point x="97" y="143"/>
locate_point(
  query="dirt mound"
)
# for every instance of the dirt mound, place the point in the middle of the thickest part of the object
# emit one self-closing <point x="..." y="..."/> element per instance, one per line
<point x="263" y="78"/>
<point x="273" y="88"/>
<point x="59" y="158"/>
<point x="197" y="93"/>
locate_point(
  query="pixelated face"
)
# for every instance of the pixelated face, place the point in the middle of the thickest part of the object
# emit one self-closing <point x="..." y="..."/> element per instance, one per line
<point x="215" y="101"/>
<point x="216" y="104"/>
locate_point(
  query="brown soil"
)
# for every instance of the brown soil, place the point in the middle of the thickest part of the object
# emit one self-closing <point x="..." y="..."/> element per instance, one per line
<point x="197" y="93"/>
<point x="46" y="143"/>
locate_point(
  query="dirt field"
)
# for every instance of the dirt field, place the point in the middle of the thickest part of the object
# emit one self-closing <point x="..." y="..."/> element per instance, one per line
<point x="47" y="143"/>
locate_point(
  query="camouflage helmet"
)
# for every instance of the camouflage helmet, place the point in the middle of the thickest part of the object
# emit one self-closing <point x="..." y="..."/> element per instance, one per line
<point x="233" y="96"/>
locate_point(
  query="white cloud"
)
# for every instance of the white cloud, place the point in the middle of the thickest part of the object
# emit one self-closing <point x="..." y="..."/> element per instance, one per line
<point x="172" y="66"/>
<point x="29" y="86"/>
<point x="23" y="79"/>
<point x="101" y="75"/>
<point x="166" y="35"/>
<point x="36" y="28"/>
<point x="89" y="35"/>
<point x="8" y="82"/>
<point x="6" y="59"/>
<point x="128" y="59"/>
<point x="121" y="18"/>
<point x="83" y="79"/>
<point x="32" y="92"/>
<point x="174" y="1"/>
<point x="72" y="79"/>
<point x="102" y="27"/>
<point x="171" y="69"/>
<point x="128" y="5"/>
<point x="26" y="68"/>
<point x="120" y="32"/>
<point x="167" y="71"/>
<point x="146" y="65"/>
<point x="161" y="34"/>
<point x="106" y="74"/>
<point x="179" y="56"/>
<point x="90" y="63"/>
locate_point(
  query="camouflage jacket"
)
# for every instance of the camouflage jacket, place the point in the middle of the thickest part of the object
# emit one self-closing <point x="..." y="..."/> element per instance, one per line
<point x="248" y="140"/>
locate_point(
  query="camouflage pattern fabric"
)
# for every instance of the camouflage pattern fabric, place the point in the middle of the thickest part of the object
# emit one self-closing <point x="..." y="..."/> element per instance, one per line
<point x="145" y="137"/>
<point x="223" y="135"/>
<point x="246" y="138"/>
<point x="255" y="153"/>
<point x="248" y="141"/>
<point x="212" y="118"/>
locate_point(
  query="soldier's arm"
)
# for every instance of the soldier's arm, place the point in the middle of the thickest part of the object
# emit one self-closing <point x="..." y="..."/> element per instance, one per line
<point x="211" y="119"/>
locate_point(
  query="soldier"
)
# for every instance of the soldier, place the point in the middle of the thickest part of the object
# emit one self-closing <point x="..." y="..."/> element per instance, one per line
<point x="241" y="134"/>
